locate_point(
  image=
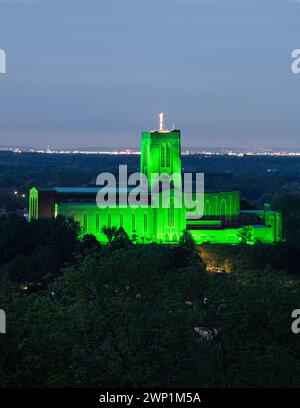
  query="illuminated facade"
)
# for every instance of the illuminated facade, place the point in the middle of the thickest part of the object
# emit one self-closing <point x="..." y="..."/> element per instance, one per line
<point x="222" y="220"/>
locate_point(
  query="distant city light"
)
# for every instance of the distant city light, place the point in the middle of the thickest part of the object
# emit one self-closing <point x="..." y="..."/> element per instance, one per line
<point x="238" y="152"/>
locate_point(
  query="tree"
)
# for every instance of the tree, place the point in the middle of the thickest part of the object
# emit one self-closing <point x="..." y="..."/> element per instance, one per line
<point x="246" y="234"/>
<point x="109" y="232"/>
<point x="34" y="252"/>
<point x="90" y="244"/>
<point x="185" y="252"/>
<point x="120" y="239"/>
<point x="187" y="241"/>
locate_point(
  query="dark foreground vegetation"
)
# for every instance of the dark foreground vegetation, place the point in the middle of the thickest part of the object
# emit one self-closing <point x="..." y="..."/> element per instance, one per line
<point x="82" y="315"/>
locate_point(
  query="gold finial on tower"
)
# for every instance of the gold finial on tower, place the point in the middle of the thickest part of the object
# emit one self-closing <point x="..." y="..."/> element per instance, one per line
<point x="161" y="122"/>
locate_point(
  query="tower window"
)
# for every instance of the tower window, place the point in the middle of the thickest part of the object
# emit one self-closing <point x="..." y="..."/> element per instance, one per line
<point x="168" y="159"/>
<point x="31" y="208"/>
<point x="207" y="209"/>
<point x="35" y="208"/>
<point x="109" y="220"/>
<point x="97" y="222"/>
<point x="121" y="221"/>
<point x="162" y="155"/>
<point x="133" y="222"/>
<point x="145" y="223"/>
<point x="171" y="215"/>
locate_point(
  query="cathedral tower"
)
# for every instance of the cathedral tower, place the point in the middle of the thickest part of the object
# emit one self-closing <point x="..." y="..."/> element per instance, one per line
<point x="160" y="152"/>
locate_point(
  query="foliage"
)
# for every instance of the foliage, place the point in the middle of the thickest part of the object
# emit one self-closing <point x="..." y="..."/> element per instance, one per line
<point x="89" y="244"/>
<point x="36" y="251"/>
<point x="187" y="241"/>
<point x="245" y="235"/>
<point x="120" y="239"/>
<point x="185" y="252"/>
<point x="109" y="232"/>
<point x="134" y="319"/>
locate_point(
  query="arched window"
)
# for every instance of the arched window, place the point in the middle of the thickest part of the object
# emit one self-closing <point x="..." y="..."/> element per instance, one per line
<point x="230" y="211"/>
<point x="171" y="215"/>
<point x="223" y="207"/>
<point x="223" y="210"/>
<point x="207" y="209"/>
<point x="97" y="222"/>
<point x="31" y="208"/>
<point x="162" y="155"/>
<point x="168" y="159"/>
<point x="34" y="208"/>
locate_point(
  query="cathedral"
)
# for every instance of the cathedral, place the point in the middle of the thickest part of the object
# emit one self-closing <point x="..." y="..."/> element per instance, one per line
<point x="221" y="220"/>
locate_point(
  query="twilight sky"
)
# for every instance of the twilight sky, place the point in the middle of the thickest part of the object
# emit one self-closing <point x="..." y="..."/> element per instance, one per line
<point x="97" y="72"/>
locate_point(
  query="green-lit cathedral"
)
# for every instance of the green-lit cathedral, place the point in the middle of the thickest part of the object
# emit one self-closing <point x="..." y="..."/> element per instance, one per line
<point x="222" y="220"/>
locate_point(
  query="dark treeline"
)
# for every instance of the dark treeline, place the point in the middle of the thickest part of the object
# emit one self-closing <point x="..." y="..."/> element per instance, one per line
<point x="259" y="178"/>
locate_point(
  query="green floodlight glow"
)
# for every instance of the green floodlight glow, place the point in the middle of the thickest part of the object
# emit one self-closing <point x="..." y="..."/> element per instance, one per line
<point x="161" y="154"/>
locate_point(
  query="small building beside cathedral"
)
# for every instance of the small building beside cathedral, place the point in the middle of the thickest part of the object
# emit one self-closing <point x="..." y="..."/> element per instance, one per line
<point x="220" y="220"/>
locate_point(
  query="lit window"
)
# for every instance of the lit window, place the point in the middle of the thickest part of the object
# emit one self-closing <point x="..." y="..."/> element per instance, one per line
<point x="97" y="222"/>
<point x="162" y="155"/>
<point x="168" y="160"/>
<point x="171" y="215"/>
